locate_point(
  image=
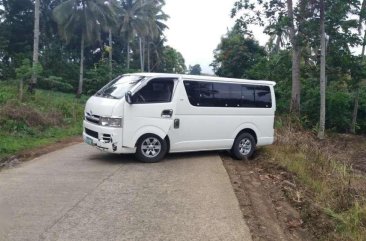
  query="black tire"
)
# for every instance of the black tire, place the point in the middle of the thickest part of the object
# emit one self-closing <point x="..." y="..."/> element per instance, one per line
<point x="244" y="146"/>
<point x="151" y="148"/>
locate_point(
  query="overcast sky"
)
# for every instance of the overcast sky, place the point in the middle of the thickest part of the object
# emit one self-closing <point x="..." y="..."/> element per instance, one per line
<point x="195" y="28"/>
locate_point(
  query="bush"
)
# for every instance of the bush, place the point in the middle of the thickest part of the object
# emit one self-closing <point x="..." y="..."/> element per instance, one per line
<point x="56" y="84"/>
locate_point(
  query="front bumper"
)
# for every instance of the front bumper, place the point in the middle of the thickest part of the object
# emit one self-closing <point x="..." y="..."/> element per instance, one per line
<point x="108" y="139"/>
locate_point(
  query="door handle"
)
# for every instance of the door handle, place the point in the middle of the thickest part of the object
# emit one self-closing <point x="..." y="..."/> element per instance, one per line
<point x="166" y="113"/>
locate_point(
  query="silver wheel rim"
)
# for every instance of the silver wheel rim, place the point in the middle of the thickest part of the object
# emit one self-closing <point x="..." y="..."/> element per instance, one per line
<point x="245" y="146"/>
<point x="151" y="147"/>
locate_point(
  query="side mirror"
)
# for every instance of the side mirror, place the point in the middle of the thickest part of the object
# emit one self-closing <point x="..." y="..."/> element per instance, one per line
<point x="128" y="97"/>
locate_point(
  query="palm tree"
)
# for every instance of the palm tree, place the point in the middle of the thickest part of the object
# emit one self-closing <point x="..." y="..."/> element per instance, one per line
<point x="322" y="71"/>
<point x="35" y="46"/>
<point x="133" y="21"/>
<point x="156" y="28"/>
<point x="84" y="18"/>
<point x="278" y="34"/>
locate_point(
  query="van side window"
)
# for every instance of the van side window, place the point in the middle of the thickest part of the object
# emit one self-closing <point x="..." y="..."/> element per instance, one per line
<point x="263" y="97"/>
<point x="248" y="95"/>
<point x="207" y="94"/>
<point x="227" y="95"/>
<point x="156" y="91"/>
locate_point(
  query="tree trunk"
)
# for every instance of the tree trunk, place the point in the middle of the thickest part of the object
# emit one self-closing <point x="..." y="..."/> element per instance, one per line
<point x="81" y="75"/>
<point x="357" y="92"/>
<point x="33" y="81"/>
<point x="296" y="58"/>
<point x="128" y="55"/>
<point x="322" y="73"/>
<point x="141" y="55"/>
<point x="110" y="54"/>
<point x="148" y="56"/>
<point x="277" y="45"/>
<point x="296" y="85"/>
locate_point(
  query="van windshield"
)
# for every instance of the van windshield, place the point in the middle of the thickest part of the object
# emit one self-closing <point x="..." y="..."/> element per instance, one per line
<point x="117" y="88"/>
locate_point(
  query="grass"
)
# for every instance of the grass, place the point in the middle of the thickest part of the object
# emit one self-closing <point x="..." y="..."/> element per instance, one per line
<point x="329" y="181"/>
<point x="39" y="119"/>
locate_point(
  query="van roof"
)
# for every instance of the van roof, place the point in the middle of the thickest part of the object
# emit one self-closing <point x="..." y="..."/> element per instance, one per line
<point x="204" y="77"/>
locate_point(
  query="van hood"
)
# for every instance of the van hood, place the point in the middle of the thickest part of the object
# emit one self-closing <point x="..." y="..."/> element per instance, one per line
<point x="101" y="106"/>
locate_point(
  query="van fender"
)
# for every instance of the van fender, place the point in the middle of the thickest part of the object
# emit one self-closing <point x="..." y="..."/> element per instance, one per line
<point x="147" y="130"/>
<point x="248" y="125"/>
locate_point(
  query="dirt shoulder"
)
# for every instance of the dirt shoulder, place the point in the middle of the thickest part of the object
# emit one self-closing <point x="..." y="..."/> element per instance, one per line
<point x="38" y="151"/>
<point x="260" y="189"/>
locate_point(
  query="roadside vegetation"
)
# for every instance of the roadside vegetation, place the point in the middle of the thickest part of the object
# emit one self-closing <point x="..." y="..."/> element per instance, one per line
<point x="40" y="119"/>
<point x="331" y="177"/>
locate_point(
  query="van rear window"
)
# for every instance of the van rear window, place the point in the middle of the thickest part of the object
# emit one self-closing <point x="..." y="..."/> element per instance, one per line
<point x="206" y="94"/>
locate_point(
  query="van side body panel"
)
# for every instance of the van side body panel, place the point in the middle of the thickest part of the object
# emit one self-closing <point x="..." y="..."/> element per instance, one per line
<point x="215" y="128"/>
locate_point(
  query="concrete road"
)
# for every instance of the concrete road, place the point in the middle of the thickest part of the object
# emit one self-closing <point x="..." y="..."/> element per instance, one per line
<point x="79" y="193"/>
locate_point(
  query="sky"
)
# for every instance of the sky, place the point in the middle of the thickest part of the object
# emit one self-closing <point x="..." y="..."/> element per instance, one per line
<point x="196" y="27"/>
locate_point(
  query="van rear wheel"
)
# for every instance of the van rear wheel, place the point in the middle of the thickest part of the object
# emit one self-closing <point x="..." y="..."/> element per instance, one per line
<point x="244" y="146"/>
<point x="151" y="148"/>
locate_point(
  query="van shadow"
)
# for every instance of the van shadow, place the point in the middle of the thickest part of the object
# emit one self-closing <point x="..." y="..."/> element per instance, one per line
<point x="110" y="158"/>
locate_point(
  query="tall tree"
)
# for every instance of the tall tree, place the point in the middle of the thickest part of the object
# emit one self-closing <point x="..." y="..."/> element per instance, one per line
<point x="296" y="58"/>
<point x="86" y="18"/>
<point x="271" y="13"/>
<point x="35" y="46"/>
<point x="236" y="55"/>
<point x="322" y="71"/>
<point x="357" y="91"/>
<point x="133" y="22"/>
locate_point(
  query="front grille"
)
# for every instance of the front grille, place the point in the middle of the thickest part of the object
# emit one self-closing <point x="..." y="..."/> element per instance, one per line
<point x="91" y="133"/>
<point x="92" y="118"/>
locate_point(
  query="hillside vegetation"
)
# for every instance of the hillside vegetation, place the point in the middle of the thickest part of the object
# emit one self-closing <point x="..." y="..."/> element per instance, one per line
<point x="40" y="119"/>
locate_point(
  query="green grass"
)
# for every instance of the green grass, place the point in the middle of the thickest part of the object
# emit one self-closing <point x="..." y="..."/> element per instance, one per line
<point x="38" y="120"/>
<point x="329" y="181"/>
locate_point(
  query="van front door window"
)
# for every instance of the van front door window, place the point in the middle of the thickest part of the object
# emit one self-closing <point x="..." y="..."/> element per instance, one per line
<point x="156" y="91"/>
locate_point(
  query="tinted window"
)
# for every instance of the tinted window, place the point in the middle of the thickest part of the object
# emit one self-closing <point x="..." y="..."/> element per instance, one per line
<point x="263" y="97"/>
<point x="206" y="94"/>
<point x="156" y="91"/>
<point x="227" y="94"/>
<point x="248" y="95"/>
<point x="193" y="91"/>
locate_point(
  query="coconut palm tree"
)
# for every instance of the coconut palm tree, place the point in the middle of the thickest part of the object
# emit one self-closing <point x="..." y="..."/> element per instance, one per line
<point x="133" y="21"/>
<point x="84" y="19"/>
<point x="322" y="71"/>
<point x="35" y="46"/>
<point x="278" y="33"/>
<point x="156" y="28"/>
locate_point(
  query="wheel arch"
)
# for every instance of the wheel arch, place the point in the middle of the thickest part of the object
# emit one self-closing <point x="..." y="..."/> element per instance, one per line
<point x="249" y="131"/>
<point x="148" y="130"/>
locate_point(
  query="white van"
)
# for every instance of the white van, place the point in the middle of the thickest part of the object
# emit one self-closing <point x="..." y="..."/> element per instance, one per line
<point x="150" y="114"/>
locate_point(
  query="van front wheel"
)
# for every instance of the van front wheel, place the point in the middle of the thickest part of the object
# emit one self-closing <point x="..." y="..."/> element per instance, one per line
<point x="244" y="146"/>
<point x="151" y="148"/>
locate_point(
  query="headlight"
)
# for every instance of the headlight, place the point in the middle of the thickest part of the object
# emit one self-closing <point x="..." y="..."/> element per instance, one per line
<point x="109" y="121"/>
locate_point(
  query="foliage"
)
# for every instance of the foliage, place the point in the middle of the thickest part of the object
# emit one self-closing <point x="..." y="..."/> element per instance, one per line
<point x="236" y="55"/>
<point x="195" y="69"/>
<point x="25" y="70"/>
<point x="40" y="119"/>
<point x="173" y="61"/>
<point x="61" y="59"/>
<point x="56" y="84"/>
